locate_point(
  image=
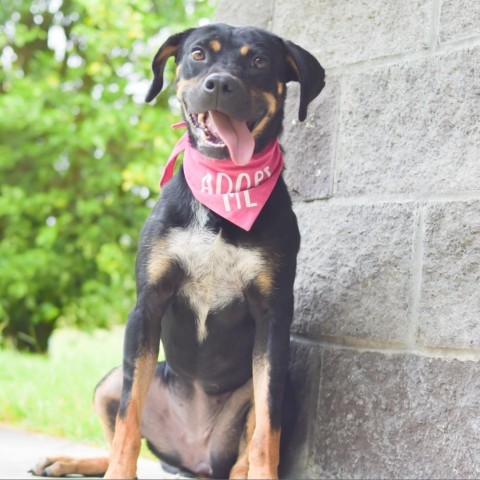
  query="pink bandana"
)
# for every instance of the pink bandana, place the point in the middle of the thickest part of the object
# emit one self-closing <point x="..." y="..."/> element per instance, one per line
<point x="236" y="193"/>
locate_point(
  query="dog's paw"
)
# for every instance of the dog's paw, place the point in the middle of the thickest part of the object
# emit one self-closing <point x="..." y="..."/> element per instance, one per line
<point x="52" y="467"/>
<point x="61" y="466"/>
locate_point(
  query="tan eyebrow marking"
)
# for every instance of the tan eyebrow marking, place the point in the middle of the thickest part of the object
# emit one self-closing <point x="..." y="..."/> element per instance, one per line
<point x="244" y="50"/>
<point x="215" y="45"/>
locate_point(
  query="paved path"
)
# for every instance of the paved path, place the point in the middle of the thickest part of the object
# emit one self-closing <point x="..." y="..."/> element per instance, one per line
<point x="19" y="451"/>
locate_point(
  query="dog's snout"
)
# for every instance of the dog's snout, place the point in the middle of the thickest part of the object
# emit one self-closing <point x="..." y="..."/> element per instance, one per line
<point x="220" y="84"/>
<point x="220" y="91"/>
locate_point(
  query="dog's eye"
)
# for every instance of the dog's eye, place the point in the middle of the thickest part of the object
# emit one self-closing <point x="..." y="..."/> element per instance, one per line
<point x="198" y="54"/>
<point x="260" y="62"/>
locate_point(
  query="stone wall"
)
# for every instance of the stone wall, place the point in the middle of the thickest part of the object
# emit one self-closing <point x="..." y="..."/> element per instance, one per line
<point x="385" y="175"/>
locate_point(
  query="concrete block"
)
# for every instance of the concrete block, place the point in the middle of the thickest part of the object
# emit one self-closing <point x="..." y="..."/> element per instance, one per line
<point x="350" y="31"/>
<point x="459" y="20"/>
<point x="354" y="270"/>
<point x="245" y="13"/>
<point x="396" y="416"/>
<point x="304" y="373"/>
<point x="309" y="145"/>
<point x="413" y="127"/>
<point x="450" y="296"/>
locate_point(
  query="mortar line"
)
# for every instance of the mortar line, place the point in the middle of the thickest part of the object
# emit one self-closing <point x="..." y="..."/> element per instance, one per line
<point x="336" y="135"/>
<point x="314" y="409"/>
<point x="272" y="21"/>
<point x="435" y="26"/>
<point x="458" y="45"/>
<point x="389" y="347"/>
<point x="417" y="275"/>
<point x="445" y="197"/>
<point x="363" y="66"/>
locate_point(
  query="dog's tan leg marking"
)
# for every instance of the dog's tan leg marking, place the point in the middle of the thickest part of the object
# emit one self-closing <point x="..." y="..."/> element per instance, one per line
<point x="264" y="448"/>
<point x="127" y="439"/>
<point x="240" y="468"/>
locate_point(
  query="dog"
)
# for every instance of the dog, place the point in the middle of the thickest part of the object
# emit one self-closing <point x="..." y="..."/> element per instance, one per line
<point x="215" y="271"/>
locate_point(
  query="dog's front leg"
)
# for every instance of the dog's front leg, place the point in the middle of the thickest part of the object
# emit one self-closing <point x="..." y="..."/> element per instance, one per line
<point x="273" y="317"/>
<point x="140" y="355"/>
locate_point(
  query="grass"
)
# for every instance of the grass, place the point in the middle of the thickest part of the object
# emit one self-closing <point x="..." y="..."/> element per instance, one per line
<point x="52" y="394"/>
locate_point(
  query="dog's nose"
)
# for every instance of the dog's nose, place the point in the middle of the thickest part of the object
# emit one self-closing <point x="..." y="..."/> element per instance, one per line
<point x="221" y="91"/>
<point x="219" y="84"/>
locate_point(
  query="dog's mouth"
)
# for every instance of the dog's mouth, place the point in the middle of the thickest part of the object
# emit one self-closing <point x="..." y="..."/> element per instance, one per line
<point x="217" y="130"/>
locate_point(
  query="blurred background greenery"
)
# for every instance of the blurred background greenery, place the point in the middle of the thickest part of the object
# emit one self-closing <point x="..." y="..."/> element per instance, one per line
<point x="80" y="156"/>
<point x="80" y="161"/>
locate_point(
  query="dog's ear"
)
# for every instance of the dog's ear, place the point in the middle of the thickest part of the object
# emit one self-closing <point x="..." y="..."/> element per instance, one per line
<point x="168" y="49"/>
<point x="304" y="68"/>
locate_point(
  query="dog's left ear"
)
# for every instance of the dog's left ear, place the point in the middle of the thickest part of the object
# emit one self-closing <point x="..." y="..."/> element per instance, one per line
<point x="168" y="49"/>
<point x="304" y="68"/>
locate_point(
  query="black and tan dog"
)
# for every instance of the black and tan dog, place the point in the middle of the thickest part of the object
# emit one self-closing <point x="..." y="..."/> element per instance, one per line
<point x="219" y="297"/>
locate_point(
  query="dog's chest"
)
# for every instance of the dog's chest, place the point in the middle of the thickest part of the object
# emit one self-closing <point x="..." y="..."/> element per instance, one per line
<point x="216" y="272"/>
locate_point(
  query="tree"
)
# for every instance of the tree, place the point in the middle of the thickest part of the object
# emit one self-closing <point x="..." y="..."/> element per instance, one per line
<point x="79" y="156"/>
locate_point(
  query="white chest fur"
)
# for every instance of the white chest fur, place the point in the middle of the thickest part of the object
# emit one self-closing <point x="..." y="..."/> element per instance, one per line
<point x="216" y="272"/>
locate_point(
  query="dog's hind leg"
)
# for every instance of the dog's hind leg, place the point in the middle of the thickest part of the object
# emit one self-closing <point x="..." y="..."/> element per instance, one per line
<point x="105" y="403"/>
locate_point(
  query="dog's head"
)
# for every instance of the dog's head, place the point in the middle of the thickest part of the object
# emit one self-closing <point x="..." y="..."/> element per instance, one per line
<point x="231" y="83"/>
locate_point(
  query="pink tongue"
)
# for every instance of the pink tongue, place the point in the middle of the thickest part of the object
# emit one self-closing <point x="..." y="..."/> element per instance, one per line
<point x="236" y="136"/>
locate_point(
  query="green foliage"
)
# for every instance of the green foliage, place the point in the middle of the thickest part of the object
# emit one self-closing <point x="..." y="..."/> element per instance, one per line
<point x="79" y="156"/>
<point x="59" y="401"/>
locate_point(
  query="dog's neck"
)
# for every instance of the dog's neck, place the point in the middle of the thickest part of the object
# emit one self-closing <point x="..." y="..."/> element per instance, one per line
<point x="236" y="193"/>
